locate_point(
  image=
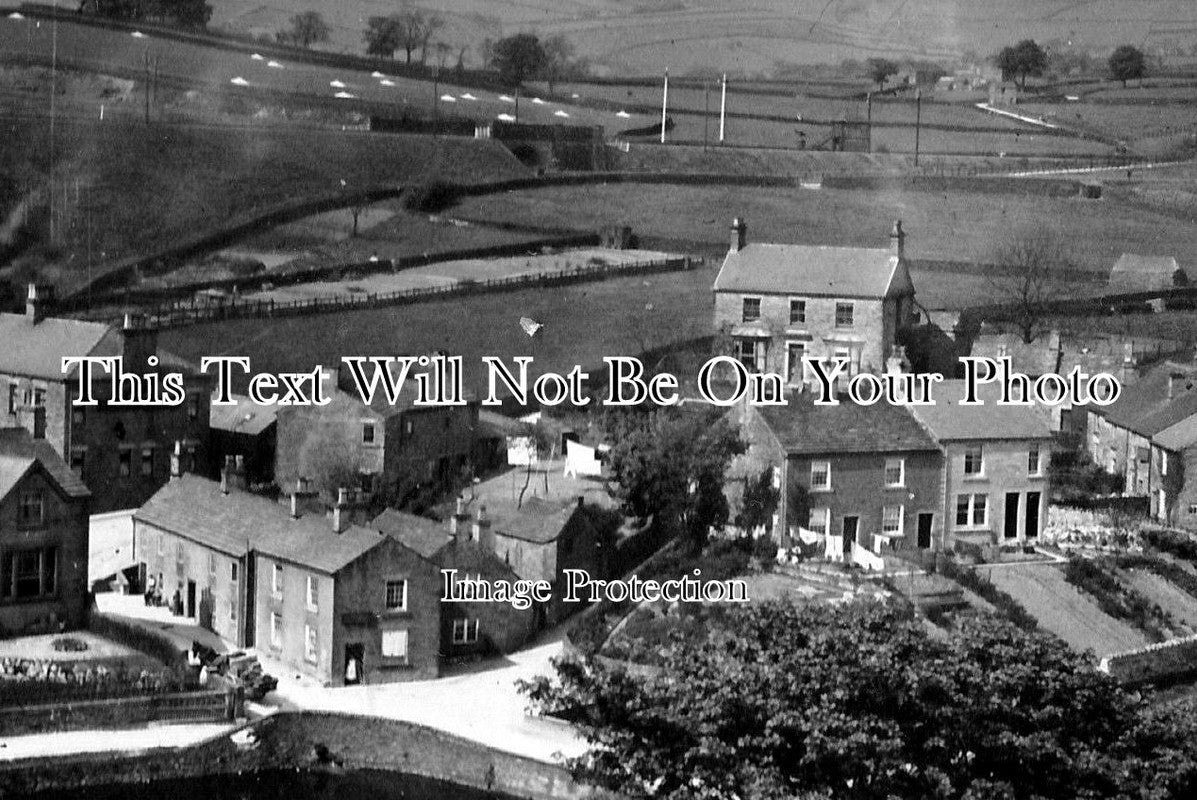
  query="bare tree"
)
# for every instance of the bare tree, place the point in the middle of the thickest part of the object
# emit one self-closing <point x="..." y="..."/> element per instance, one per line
<point x="1025" y="277"/>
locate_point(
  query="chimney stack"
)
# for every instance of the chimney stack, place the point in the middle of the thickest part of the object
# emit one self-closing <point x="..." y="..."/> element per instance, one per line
<point x="176" y="461"/>
<point x="739" y="235"/>
<point x="37" y="302"/>
<point x="294" y="506"/>
<point x="897" y="240"/>
<point x="481" y="532"/>
<point x="338" y="514"/>
<point x="1174" y="380"/>
<point x="458" y="518"/>
<point x="139" y="342"/>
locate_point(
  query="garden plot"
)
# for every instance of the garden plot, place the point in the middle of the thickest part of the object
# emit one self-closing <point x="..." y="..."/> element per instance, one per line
<point x="1168" y="596"/>
<point x="452" y="273"/>
<point x="1064" y="610"/>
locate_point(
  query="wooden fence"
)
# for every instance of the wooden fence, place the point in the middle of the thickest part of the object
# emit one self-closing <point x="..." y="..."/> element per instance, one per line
<point x="195" y="312"/>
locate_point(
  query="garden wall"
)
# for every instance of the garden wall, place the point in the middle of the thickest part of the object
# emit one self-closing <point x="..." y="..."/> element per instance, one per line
<point x="1176" y="658"/>
<point x="126" y="712"/>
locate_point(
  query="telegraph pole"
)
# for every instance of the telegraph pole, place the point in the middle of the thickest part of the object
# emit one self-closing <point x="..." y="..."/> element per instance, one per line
<point x="722" y="108"/>
<point x="664" y="105"/>
<point x="918" y="118"/>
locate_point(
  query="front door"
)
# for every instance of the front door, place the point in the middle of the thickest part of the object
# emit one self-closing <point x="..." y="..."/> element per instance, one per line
<point x="924" y="534"/>
<point x="849" y="532"/>
<point x="355" y="656"/>
<point x="1032" y="527"/>
<point x="191" y="598"/>
<point x="1011" y="528"/>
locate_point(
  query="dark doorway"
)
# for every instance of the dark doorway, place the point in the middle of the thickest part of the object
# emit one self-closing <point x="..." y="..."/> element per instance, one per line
<point x="849" y="530"/>
<point x="191" y="598"/>
<point x="355" y="656"/>
<point x="1011" y="525"/>
<point x="924" y="534"/>
<point x="1032" y="526"/>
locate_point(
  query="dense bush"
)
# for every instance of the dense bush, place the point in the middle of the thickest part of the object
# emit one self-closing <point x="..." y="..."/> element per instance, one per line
<point x="1005" y="603"/>
<point x="430" y="197"/>
<point x="1118" y="601"/>
<point x="1178" y="544"/>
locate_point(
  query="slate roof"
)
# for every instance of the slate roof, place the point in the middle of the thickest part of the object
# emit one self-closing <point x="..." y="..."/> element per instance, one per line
<point x="37" y="350"/>
<point x="245" y="417"/>
<point x="948" y="421"/>
<point x="423" y="535"/>
<point x="812" y="271"/>
<point x="1145" y="408"/>
<point x="239" y="522"/>
<point x="19" y="452"/>
<point x="803" y="428"/>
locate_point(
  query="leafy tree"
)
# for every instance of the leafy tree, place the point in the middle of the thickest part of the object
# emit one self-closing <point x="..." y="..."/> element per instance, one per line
<point x="672" y="463"/>
<point x="305" y="29"/>
<point x="1027" y="276"/>
<point x="781" y="700"/>
<point x="383" y="35"/>
<point x="1023" y="60"/>
<point x="430" y="25"/>
<point x="759" y="502"/>
<point x="880" y="69"/>
<point x="558" y="52"/>
<point x="1127" y="62"/>
<point x="518" y="58"/>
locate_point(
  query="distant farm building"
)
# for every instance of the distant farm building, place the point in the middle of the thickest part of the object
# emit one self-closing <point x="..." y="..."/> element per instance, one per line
<point x="1138" y="273"/>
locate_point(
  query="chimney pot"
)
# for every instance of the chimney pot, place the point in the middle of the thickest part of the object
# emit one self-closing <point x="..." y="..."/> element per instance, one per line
<point x="37" y="300"/>
<point x="739" y="235"/>
<point x="337" y="520"/>
<point x="897" y="240"/>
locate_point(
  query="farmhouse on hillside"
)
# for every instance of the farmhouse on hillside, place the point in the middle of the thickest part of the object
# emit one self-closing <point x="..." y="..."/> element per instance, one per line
<point x="1138" y="273"/>
<point x="780" y="302"/>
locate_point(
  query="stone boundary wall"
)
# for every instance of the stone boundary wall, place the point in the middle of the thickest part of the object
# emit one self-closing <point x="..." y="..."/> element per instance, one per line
<point x="310" y="741"/>
<point x="1172" y="659"/>
<point x="123" y="712"/>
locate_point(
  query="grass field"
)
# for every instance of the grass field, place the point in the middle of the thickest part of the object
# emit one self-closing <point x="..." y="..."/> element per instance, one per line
<point x="645" y="36"/>
<point x="941" y="226"/>
<point x="1065" y="611"/>
<point x="583" y="323"/>
<point x="124" y="187"/>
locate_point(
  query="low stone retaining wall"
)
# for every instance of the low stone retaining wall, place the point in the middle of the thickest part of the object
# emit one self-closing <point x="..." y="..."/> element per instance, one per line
<point x="311" y="741"/>
<point x="1176" y="658"/>
<point x="120" y="712"/>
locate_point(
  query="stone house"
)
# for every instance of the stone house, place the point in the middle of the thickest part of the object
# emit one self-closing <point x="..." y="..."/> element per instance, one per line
<point x="780" y="302"/>
<point x="1139" y="273"/>
<point x="468" y="629"/>
<point x="340" y="603"/>
<point x="397" y="451"/>
<point x="121" y="453"/>
<point x="44" y="509"/>
<point x="245" y="429"/>
<point x="996" y="485"/>
<point x="852" y="475"/>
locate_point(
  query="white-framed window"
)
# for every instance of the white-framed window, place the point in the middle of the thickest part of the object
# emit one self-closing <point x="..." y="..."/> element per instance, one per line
<point x="1034" y="461"/>
<point x="972" y="510"/>
<point x="276" y="629"/>
<point x="845" y="314"/>
<point x="891" y="519"/>
<point x="147" y="461"/>
<point x="313" y="593"/>
<point x="394" y="644"/>
<point x="276" y="580"/>
<point x="797" y="311"/>
<point x="974" y="460"/>
<point x="367" y="431"/>
<point x="396" y="598"/>
<point x="819" y="520"/>
<point x="124" y="466"/>
<point x="1193" y="508"/>
<point x="895" y="472"/>
<point x="13" y="391"/>
<point x="750" y="310"/>
<point x="750" y="352"/>
<point x="820" y="475"/>
<point x="465" y="631"/>
<point x="311" y="645"/>
<point x="1164" y="462"/>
